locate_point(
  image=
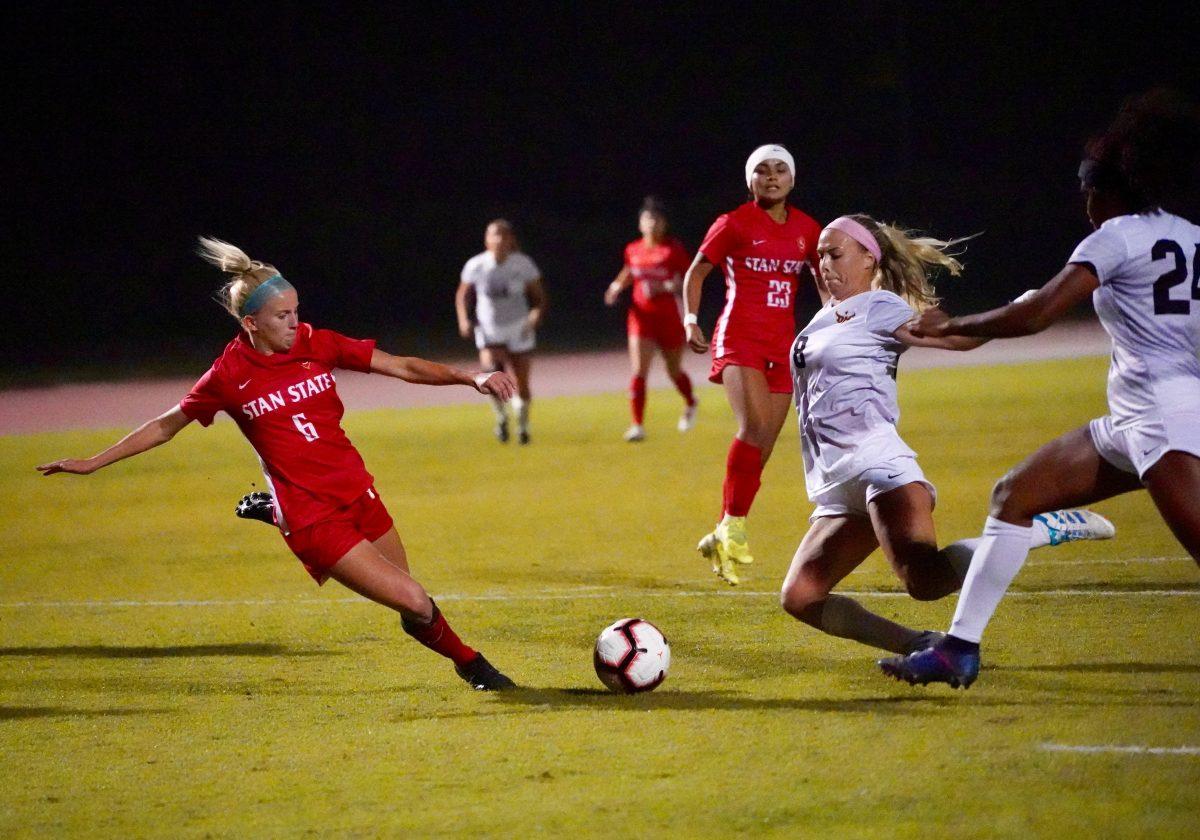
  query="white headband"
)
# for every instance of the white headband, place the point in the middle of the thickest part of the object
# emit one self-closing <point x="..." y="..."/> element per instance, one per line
<point x="768" y="152"/>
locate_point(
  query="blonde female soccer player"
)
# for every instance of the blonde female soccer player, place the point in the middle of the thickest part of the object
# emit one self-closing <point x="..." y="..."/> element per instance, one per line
<point x="275" y="379"/>
<point x="1141" y="266"/>
<point x="762" y="247"/>
<point x="867" y="486"/>
<point x="509" y="304"/>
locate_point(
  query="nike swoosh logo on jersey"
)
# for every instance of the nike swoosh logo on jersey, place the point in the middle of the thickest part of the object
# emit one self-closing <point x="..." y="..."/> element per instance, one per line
<point x="244" y="384"/>
<point x="757" y="241"/>
<point x="896" y="475"/>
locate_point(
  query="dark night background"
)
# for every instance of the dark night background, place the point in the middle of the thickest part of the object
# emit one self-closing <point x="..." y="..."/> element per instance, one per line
<point x="362" y="149"/>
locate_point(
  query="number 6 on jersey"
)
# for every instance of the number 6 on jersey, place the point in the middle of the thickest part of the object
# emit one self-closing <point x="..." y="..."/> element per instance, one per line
<point x="305" y="428"/>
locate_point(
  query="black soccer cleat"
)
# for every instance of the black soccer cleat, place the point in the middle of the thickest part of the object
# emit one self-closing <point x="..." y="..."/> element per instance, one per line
<point x="483" y="676"/>
<point x="523" y="437"/>
<point x="501" y="431"/>
<point x="258" y="506"/>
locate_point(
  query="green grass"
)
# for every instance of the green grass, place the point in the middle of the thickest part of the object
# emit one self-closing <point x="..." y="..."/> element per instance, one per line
<point x="289" y="710"/>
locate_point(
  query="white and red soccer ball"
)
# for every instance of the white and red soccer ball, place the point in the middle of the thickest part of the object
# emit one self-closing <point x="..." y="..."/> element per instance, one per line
<point x="632" y="655"/>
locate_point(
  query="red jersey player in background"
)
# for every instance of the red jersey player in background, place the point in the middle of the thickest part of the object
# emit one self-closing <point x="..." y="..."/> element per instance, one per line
<point x="275" y="379"/>
<point x="762" y="247"/>
<point x="654" y="266"/>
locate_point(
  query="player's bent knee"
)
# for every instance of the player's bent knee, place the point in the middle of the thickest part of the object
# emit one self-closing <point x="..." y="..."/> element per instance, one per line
<point x="798" y="601"/>
<point x="1005" y="501"/>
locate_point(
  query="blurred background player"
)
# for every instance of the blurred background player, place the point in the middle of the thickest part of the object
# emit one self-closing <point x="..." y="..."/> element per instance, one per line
<point x="505" y="287"/>
<point x="762" y="247"/>
<point x="654" y="267"/>
<point x="275" y="379"/>
<point x="1141" y="267"/>
<point x="867" y="486"/>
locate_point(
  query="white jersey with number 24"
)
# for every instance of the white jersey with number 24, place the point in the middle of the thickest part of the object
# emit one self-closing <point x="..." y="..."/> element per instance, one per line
<point x="1148" y="265"/>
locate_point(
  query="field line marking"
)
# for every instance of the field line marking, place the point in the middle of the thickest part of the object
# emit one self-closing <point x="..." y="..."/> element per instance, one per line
<point x="1114" y="748"/>
<point x="1115" y="561"/>
<point x="583" y="594"/>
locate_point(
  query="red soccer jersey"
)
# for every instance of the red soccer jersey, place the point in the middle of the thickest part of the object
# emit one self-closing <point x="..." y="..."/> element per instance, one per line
<point x="287" y="406"/>
<point x="762" y="260"/>
<point x="651" y="266"/>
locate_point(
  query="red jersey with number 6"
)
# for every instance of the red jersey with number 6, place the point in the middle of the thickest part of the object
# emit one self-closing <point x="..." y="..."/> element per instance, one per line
<point x="287" y="406"/>
<point x="762" y="260"/>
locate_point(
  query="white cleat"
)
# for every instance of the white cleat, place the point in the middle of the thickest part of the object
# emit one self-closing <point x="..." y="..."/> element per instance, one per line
<point x="635" y="433"/>
<point x="1063" y="526"/>
<point x="688" y="418"/>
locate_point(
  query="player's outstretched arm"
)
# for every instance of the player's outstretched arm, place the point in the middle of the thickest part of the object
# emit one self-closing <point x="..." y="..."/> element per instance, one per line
<point x="146" y="436"/>
<point x="693" y="287"/>
<point x="423" y="372"/>
<point x="1030" y="313"/>
<point x="946" y="342"/>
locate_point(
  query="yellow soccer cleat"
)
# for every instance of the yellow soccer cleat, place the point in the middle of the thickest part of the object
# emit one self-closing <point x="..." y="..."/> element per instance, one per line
<point x="731" y="536"/>
<point x="722" y="566"/>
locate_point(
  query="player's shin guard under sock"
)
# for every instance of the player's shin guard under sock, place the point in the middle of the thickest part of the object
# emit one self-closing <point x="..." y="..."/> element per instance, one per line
<point x="683" y="383"/>
<point x="438" y="636"/>
<point x="743" y="475"/>
<point x="637" y="399"/>
<point x="1001" y="553"/>
<point x="844" y="617"/>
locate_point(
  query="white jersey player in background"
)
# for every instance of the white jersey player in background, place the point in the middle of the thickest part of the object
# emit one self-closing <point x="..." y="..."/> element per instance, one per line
<point x="866" y="484"/>
<point x="1141" y="180"/>
<point x="509" y="303"/>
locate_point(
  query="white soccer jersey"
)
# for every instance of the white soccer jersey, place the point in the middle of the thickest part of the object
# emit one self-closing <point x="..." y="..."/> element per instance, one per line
<point x="1149" y="302"/>
<point x="844" y="375"/>
<point x="500" y="288"/>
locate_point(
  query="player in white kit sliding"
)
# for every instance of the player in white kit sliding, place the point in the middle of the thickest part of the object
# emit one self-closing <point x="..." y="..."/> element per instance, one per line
<point x="510" y="301"/>
<point x="1141" y="180"/>
<point x="865" y="481"/>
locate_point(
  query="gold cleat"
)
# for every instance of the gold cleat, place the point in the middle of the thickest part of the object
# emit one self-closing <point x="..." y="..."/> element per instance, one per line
<point x="731" y="537"/>
<point x="722" y="565"/>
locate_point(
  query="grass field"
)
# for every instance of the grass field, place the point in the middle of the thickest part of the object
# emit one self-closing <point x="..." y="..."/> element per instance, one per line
<point x="171" y="671"/>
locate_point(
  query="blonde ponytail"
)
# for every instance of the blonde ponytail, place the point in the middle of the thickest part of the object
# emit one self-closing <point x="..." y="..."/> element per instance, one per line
<point x="909" y="261"/>
<point x="247" y="274"/>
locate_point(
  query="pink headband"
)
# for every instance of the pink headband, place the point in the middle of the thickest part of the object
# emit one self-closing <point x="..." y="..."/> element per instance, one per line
<point x="856" y="231"/>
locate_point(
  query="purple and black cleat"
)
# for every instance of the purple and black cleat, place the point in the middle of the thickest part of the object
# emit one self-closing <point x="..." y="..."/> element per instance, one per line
<point x="950" y="661"/>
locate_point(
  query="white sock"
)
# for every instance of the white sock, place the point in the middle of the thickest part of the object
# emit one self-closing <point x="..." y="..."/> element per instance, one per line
<point x="1001" y="553"/>
<point x="500" y="410"/>
<point x="960" y="553"/>
<point x="521" y="409"/>
<point x="1040" y="535"/>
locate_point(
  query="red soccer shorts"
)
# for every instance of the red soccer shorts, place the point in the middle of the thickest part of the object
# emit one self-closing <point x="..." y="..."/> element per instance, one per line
<point x="660" y="324"/>
<point x="321" y="544"/>
<point x="779" y="375"/>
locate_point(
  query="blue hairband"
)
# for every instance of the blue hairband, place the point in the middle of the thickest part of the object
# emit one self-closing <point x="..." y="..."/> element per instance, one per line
<point x="273" y="285"/>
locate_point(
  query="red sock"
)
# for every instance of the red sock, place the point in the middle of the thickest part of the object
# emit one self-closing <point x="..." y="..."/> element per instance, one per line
<point x="439" y="637"/>
<point x="684" y="384"/>
<point x="637" y="398"/>
<point x="743" y="475"/>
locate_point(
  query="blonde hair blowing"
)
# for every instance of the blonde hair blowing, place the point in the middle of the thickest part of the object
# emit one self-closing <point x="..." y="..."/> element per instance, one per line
<point x="909" y="261"/>
<point x="248" y="274"/>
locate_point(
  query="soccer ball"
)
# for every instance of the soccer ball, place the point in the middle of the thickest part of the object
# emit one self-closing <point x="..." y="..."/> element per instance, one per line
<point x="632" y="655"/>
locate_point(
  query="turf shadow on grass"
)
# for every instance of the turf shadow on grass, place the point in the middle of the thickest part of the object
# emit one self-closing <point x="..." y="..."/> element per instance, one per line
<point x="28" y="712"/>
<point x="150" y="652"/>
<point x="595" y="698"/>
